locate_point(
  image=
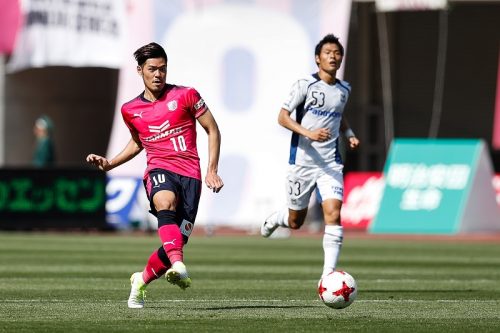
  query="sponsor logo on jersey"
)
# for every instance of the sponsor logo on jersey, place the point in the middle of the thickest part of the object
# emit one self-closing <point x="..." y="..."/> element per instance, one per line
<point x="172" y="105"/>
<point x="199" y="104"/>
<point x="321" y="113"/>
<point x="138" y="114"/>
<point x="159" y="128"/>
<point x="163" y="134"/>
<point x="186" y="228"/>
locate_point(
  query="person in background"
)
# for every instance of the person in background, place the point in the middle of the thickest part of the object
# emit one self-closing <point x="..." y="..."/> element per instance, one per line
<point x="44" y="153"/>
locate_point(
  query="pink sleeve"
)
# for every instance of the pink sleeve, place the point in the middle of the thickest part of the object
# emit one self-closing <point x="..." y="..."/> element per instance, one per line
<point x="127" y="119"/>
<point x="196" y="103"/>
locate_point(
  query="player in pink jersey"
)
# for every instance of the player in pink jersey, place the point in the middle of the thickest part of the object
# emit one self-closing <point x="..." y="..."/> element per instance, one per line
<point x="162" y="120"/>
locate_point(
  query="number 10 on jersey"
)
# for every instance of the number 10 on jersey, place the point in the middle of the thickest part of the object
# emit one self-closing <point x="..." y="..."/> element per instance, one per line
<point x="179" y="143"/>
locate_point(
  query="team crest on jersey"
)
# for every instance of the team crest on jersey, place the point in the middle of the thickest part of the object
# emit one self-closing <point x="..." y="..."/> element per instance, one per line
<point x="186" y="228"/>
<point x="172" y="105"/>
<point x="343" y="98"/>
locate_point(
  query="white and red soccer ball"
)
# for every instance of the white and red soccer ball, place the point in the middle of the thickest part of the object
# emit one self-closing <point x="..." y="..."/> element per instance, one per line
<point x="337" y="290"/>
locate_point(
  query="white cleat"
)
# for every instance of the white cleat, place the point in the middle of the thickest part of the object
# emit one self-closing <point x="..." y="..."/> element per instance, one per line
<point x="178" y="275"/>
<point x="137" y="291"/>
<point x="269" y="225"/>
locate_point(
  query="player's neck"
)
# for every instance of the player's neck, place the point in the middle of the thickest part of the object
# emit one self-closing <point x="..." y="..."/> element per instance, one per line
<point x="153" y="96"/>
<point x="150" y="96"/>
<point x="327" y="77"/>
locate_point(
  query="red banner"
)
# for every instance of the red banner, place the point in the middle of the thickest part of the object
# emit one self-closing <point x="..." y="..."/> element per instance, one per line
<point x="363" y="192"/>
<point x="496" y="186"/>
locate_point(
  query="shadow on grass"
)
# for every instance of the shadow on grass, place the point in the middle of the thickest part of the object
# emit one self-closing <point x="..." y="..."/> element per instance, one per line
<point x="428" y="291"/>
<point x="238" y="307"/>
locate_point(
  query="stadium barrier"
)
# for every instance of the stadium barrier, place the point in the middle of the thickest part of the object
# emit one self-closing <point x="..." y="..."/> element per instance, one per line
<point x="437" y="186"/>
<point x="127" y="205"/>
<point x="363" y="193"/>
<point x="87" y="199"/>
<point x="52" y="198"/>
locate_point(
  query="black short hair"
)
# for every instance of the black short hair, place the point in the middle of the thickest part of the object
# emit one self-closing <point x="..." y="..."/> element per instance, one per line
<point x="151" y="50"/>
<point x="330" y="38"/>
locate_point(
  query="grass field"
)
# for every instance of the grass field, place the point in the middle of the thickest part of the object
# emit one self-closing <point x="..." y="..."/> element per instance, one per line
<point x="79" y="283"/>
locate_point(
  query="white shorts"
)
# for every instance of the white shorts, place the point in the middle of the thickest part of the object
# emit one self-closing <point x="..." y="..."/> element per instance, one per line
<point x="302" y="181"/>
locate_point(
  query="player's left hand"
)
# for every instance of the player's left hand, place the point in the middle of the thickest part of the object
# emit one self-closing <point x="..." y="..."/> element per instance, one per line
<point x="353" y="142"/>
<point x="214" y="182"/>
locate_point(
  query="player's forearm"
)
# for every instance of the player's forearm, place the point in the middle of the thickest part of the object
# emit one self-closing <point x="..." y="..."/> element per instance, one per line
<point x="344" y="124"/>
<point x="346" y="128"/>
<point x="214" y="141"/>
<point x="131" y="150"/>
<point x="287" y="122"/>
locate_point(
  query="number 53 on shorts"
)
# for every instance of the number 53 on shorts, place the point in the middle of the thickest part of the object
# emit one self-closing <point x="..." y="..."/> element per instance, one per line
<point x="299" y="191"/>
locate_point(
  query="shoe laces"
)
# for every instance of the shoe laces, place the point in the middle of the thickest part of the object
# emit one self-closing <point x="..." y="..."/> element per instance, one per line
<point x="141" y="294"/>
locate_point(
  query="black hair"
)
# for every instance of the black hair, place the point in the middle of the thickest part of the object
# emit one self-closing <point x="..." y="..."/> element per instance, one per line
<point x="151" y="50"/>
<point x="330" y="38"/>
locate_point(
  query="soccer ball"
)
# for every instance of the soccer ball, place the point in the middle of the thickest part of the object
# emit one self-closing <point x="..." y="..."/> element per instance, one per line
<point x="337" y="290"/>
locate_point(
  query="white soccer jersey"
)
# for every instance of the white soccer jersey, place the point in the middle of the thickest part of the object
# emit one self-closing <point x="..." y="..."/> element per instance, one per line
<point x="317" y="104"/>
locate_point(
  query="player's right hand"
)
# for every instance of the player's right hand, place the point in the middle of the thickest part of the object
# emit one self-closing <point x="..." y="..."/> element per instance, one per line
<point x="320" y="134"/>
<point x="100" y="162"/>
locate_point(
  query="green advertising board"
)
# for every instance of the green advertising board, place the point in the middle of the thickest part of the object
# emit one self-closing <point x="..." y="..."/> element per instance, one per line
<point x="437" y="186"/>
<point x="52" y="198"/>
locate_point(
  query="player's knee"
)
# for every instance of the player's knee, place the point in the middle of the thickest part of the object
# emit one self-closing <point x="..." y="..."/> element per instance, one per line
<point x="332" y="217"/>
<point x="166" y="205"/>
<point x="164" y="200"/>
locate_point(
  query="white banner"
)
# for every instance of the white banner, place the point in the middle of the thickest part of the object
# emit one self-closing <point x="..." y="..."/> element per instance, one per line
<point x="395" y="5"/>
<point x="77" y="33"/>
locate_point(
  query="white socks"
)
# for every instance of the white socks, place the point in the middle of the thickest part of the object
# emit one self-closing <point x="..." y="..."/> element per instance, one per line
<point x="332" y="242"/>
<point x="281" y="217"/>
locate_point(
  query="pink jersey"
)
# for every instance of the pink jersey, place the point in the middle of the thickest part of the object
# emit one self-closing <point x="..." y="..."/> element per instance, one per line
<point x="167" y="129"/>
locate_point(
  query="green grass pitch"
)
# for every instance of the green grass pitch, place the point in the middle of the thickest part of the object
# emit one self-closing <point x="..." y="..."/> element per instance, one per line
<point x="80" y="283"/>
